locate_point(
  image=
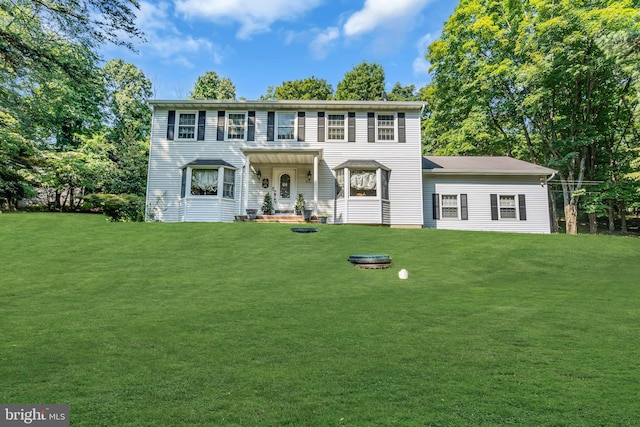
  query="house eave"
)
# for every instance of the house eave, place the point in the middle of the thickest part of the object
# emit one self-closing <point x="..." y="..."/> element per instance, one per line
<point x="192" y="104"/>
<point x="487" y="173"/>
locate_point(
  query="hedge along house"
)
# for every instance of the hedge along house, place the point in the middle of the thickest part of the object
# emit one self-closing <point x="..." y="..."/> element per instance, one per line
<point x="358" y="162"/>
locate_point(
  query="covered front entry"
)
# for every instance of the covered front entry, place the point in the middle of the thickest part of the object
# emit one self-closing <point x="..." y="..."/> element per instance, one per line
<point x="284" y="173"/>
<point x="285" y="189"/>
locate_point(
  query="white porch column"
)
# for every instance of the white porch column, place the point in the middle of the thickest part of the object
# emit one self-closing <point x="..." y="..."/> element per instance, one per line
<point x="245" y="189"/>
<point x="315" y="185"/>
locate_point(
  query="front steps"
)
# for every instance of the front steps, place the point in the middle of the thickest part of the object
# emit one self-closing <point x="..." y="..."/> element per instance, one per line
<point x="282" y="218"/>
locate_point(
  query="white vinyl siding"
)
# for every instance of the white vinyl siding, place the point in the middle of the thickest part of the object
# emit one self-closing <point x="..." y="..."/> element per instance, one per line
<point x="479" y="190"/>
<point x="402" y="206"/>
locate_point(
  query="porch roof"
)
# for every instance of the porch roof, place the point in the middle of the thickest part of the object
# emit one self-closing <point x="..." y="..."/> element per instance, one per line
<point x="281" y="156"/>
<point x="368" y="164"/>
<point x="209" y="162"/>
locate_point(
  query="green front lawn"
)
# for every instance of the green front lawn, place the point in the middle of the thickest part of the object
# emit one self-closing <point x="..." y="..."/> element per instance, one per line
<point x="252" y="325"/>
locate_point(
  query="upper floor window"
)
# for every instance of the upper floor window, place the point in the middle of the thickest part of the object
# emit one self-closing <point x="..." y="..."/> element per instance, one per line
<point x="386" y="127"/>
<point x="286" y="126"/>
<point x="335" y="127"/>
<point x="187" y="126"/>
<point x="236" y="125"/>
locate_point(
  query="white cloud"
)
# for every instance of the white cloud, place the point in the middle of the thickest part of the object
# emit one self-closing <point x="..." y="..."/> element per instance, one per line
<point x="165" y="40"/>
<point x="420" y="64"/>
<point x="254" y="17"/>
<point x="387" y="14"/>
<point x="322" y="41"/>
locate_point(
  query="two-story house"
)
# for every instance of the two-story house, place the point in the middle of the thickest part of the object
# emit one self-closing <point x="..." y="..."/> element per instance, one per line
<point x="358" y="162"/>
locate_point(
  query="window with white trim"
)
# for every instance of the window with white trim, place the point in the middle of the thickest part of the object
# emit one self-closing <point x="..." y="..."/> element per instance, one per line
<point x="386" y="127"/>
<point x="335" y="127"/>
<point x="236" y="123"/>
<point x="286" y="126"/>
<point x="228" y="188"/>
<point x="450" y="206"/>
<point x="507" y="207"/>
<point x="204" y="182"/>
<point x="186" y="125"/>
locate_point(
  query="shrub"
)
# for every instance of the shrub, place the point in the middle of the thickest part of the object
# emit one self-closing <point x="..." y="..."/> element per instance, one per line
<point x="118" y="207"/>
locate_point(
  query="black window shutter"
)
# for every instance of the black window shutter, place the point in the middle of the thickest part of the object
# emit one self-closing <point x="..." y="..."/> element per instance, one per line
<point x="435" y="197"/>
<point x="371" y="127"/>
<point x="301" y="120"/>
<point x="202" y="118"/>
<point x="402" y="134"/>
<point x="351" y="127"/>
<point x="251" y="126"/>
<point x="183" y="188"/>
<point x="494" y="207"/>
<point x="464" y="211"/>
<point x="320" y="127"/>
<point x="271" y="122"/>
<point x="522" y="204"/>
<point x="220" y="134"/>
<point x="171" y="124"/>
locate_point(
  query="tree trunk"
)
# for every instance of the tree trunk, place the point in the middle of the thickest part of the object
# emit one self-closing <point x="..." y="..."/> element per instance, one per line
<point x="571" y="217"/>
<point x="612" y="222"/>
<point x="623" y="217"/>
<point x="593" y="223"/>
<point x="554" y="213"/>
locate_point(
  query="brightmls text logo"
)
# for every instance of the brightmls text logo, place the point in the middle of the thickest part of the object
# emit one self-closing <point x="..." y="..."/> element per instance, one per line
<point x="34" y="415"/>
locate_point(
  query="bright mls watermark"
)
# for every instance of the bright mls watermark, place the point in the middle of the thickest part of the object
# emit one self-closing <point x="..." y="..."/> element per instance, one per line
<point x="34" y="415"/>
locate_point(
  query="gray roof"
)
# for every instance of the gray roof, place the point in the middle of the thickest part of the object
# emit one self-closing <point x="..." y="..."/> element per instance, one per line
<point x="290" y="105"/>
<point x="481" y="165"/>
<point x="367" y="164"/>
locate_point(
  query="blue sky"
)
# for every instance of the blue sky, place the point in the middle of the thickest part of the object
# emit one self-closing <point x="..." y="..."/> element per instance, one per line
<point x="261" y="43"/>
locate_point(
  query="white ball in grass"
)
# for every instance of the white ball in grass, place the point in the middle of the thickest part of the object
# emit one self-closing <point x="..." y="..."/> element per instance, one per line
<point x="403" y="274"/>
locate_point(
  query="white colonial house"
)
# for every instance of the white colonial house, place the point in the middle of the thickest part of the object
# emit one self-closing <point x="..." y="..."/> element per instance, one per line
<point x="357" y="162"/>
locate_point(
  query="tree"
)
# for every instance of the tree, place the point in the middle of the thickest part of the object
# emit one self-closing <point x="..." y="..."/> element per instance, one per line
<point x="365" y="82"/>
<point x="211" y="86"/>
<point x="30" y="29"/>
<point x="403" y="93"/>
<point x="311" y="88"/>
<point x="528" y="79"/>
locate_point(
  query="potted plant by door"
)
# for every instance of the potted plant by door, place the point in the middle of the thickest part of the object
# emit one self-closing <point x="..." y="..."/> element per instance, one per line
<point x="322" y="218"/>
<point x="251" y="214"/>
<point x="300" y="205"/>
<point x="267" y="204"/>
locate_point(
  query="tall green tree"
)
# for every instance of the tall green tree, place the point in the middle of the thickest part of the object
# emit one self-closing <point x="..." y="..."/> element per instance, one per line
<point x="311" y="88"/>
<point x="528" y="79"/>
<point x="365" y="82"/>
<point x="127" y="119"/>
<point x="211" y="86"/>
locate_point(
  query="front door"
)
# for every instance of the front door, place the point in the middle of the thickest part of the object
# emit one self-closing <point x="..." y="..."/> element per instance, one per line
<point x="286" y="189"/>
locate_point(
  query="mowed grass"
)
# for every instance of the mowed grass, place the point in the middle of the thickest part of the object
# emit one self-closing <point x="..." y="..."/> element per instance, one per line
<point x="249" y="324"/>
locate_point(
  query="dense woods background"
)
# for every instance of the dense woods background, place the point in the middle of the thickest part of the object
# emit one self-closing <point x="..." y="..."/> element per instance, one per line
<point x="555" y="83"/>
